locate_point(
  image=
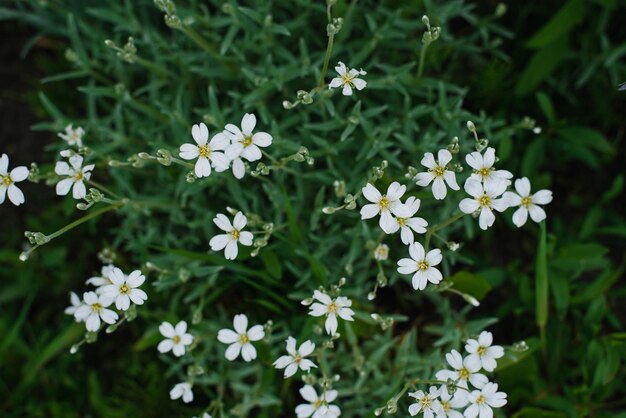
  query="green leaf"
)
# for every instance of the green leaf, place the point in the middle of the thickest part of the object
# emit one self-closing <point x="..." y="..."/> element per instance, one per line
<point x="469" y="283"/>
<point x="546" y="106"/>
<point x="560" y="25"/>
<point x="541" y="281"/>
<point x="541" y="65"/>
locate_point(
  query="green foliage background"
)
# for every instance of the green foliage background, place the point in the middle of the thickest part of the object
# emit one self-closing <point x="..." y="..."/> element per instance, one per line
<point x="557" y="62"/>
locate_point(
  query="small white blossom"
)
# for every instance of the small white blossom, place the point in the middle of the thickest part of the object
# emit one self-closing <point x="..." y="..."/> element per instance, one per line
<point x="381" y="252"/>
<point x="482" y="353"/>
<point x="484" y="198"/>
<point x="449" y="404"/>
<point x="234" y="234"/>
<point x="410" y="223"/>
<point x="240" y="339"/>
<point x="481" y="401"/>
<point x="207" y="153"/>
<point x="124" y="289"/>
<point x="318" y="406"/>
<point x="244" y="144"/>
<point x="73" y="137"/>
<point x="94" y="309"/>
<point x="8" y="180"/>
<point x="426" y="403"/>
<point x="438" y="173"/>
<point x="176" y="338"/>
<point x="421" y="265"/>
<point x="340" y="306"/>
<point x="527" y="203"/>
<point x="75" y="304"/>
<point x="483" y="168"/>
<point x="348" y="79"/>
<point x="75" y="174"/>
<point x="385" y="205"/>
<point x="182" y="390"/>
<point x="296" y="358"/>
<point x="465" y="370"/>
<point x="103" y="280"/>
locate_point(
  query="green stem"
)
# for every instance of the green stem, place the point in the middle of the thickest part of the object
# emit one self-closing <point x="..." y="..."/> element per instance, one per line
<point x="105" y="189"/>
<point x="430" y="231"/>
<point x="329" y="49"/>
<point x="197" y="38"/>
<point x="420" y="68"/>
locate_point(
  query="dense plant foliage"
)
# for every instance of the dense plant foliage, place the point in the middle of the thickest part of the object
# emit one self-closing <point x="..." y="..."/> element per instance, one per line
<point x="539" y="85"/>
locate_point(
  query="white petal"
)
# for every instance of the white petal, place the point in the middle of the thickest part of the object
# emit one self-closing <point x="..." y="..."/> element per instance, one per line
<point x="219" y="242"/>
<point x="474" y="160"/>
<point x="220" y="161"/>
<point x="239" y="169"/>
<point x="227" y="336"/>
<point x="387" y="222"/>
<point x="167" y="330"/>
<point x="262" y="139"/>
<point x="219" y="142"/>
<point x="536" y="213"/>
<point x="424" y="179"/>
<point x="369" y="211"/>
<point x="256" y="333"/>
<point x="200" y="133"/>
<point x="359" y="83"/>
<point x="520" y="216"/>
<point x="4" y="164"/>
<point x="246" y="238"/>
<point x="165" y="346"/>
<point x="232" y="352"/>
<point x="395" y="191"/>
<point x="417" y="252"/>
<point x="79" y="191"/>
<point x="202" y="167"/>
<point x="450" y="178"/>
<point x="15" y="195"/>
<point x="439" y="189"/>
<point x="188" y="151"/>
<point x="331" y="324"/>
<point x="231" y="250"/>
<point x="63" y="187"/>
<point x="444" y="157"/>
<point x="240" y="323"/>
<point x="489" y="157"/>
<point x="347" y="90"/>
<point x="248" y="352"/>
<point x="428" y="160"/>
<point x="19" y="174"/>
<point x="522" y="186"/>
<point x="542" y="197"/>
<point x="335" y="82"/>
<point x="248" y="122"/>
<point x="474" y="188"/>
<point x="486" y="218"/>
<point x="469" y="205"/>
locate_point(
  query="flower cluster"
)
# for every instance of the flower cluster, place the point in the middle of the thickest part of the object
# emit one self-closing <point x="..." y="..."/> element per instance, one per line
<point x="456" y="391"/>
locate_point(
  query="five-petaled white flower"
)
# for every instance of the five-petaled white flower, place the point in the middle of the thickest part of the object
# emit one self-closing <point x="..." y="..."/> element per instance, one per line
<point x="481" y="401"/>
<point x="8" y="180"/>
<point x="527" y="203"/>
<point x="482" y="353"/>
<point x="331" y="308"/>
<point x="182" y="390"/>
<point x="75" y="173"/>
<point x="483" y="168"/>
<point x="421" y="265"/>
<point x="245" y="144"/>
<point x="73" y="137"/>
<point x="75" y="304"/>
<point x="465" y="370"/>
<point x="240" y="339"/>
<point x="176" y="338"/>
<point x="348" y="79"/>
<point x="484" y="197"/>
<point x="207" y="153"/>
<point x="124" y="289"/>
<point x="93" y="309"/>
<point x="438" y="173"/>
<point x="385" y="205"/>
<point x="450" y="403"/>
<point x="318" y="406"/>
<point x="103" y="280"/>
<point x="296" y="358"/>
<point x="381" y="252"/>
<point x="410" y="223"/>
<point x="426" y="403"/>
<point x="234" y="234"/>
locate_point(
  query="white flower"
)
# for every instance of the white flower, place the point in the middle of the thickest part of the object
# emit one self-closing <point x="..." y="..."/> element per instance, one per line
<point x="318" y="406"/>
<point x="73" y="137"/>
<point x="182" y="390"/>
<point x="207" y="154"/>
<point x="245" y="144"/>
<point x="482" y="353"/>
<point x="385" y="205"/>
<point x="176" y="338"/>
<point x="481" y="401"/>
<point x="8" y="180"/>
<point x="422" y="265"/>
<point x="103" y="280"/>
<point x="409" y="224"/>
<point x="296" y="358"/>
<point x="124" y="289"/>
<point x="94" y="309"/>
<point x="331" y="308"/>
<point x="381" y="252"/>
<point x="75" y="304"/>
<point x="234" y="234"/>
<point x="448" y="403"/>
<point x="485" y="198"/>
<point x="527" y="203"/>
<point x="75" y="173"/>
<point x="426" y="403"/>
<point x="348" y="79"/>
<point x="483" y="168"/>
<point x="437" y="173"/>
<point x="464" y="371"/>
<point x="240" y="338"/>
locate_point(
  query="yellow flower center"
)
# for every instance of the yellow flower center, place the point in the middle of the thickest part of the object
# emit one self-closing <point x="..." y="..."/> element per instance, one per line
<point x="422" y="265"/>
<point x="78" y="176"/>
<point x="244" y="339"/>
<point x="317" y="403"/>
<point x="73" y="137"/>
<point x="96" y="307"/>
<point x="526" y="201"/>
<point x="124" y="289"/>
<point x="445" y="406"/>
<point x="204" y="151"/>
<point x="332" y="307"/>
<point x="464" y="374"/>
<point x="247" y="140"/>
<point x="6" y="180"/>
<point x="235" y="233"/>
<point x="401" y="221"/>
<point x="481" y="350"/>
<point x="438" y="171"/>
<point x="425" y="401"/>
<point x="297" y="358"/>
<point x="176" y="339"/>
<point x="484" y="172"/>
<point x="383" y="202"/>
<point x="480" y="400"/>
<point x="347" y="79"/>
<point x="484" y="200"/>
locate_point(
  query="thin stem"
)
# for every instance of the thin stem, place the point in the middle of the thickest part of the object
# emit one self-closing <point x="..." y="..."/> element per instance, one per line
<point x="105" y="189"/>
<point x="437" y="227"/>
<point x="329" y="49"/>
<point x="420" y="68"/>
